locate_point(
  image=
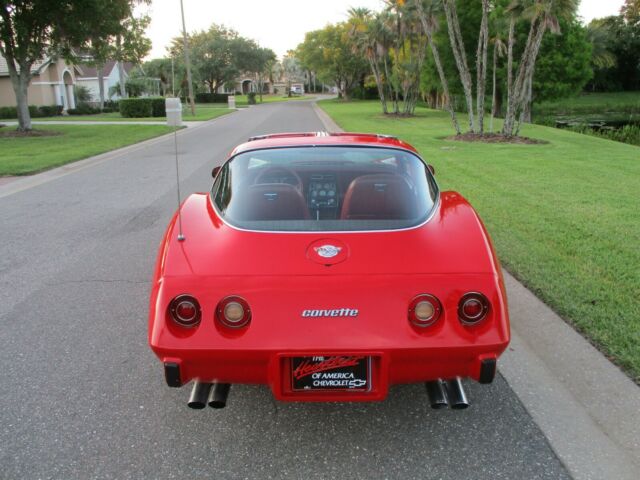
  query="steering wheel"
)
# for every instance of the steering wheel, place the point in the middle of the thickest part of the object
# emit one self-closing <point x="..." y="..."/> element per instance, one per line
<point x="279" y="171"/>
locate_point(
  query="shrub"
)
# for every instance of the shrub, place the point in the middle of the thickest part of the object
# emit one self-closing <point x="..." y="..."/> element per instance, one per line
<point x="82" y="93"/>
<point x="83" y="109"/>
<point x="50" y="110"/>
<point x="136" y="107"/>
<point x="8" y="112"/>
<point x="158" y="108"/>
<point x="112" y="104"/>
<point x="212" y="97"/>
<point x="107" y="110"/>
<point x="142" y="107"/>
<point x="251" y="98"/>
<point x="34" y="112"/>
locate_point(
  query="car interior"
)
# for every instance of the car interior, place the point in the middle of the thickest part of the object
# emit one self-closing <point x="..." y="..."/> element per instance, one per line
<point x="277" y="192"/>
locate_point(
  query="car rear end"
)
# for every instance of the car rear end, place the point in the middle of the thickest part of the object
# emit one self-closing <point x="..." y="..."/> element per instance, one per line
<point x="328" y="274"/>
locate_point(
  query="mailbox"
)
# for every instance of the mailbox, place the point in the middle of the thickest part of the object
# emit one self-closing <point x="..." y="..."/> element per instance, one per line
<point x="173" y="108"/>
<point x="232" y="101"/>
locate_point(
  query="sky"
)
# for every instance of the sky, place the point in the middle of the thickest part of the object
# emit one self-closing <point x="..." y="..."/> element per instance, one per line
<point x="280" y="24"/>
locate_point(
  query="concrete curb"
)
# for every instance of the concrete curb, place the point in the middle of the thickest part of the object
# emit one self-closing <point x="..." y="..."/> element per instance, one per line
<point x="586" y="407"/>
<point x="30" y="181"/>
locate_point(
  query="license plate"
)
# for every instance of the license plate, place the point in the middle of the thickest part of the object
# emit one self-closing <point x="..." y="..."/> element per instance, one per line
<point x="337" y="372"/>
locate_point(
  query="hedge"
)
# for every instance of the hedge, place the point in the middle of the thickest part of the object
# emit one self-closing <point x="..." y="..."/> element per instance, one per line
<point x="142" y="107"/>
<point x="212" y="97"/>
<point x="34" y="110"/>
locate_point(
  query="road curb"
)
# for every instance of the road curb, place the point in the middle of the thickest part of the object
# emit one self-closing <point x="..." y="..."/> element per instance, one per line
<point x="586" y="407"/>
<point x="30" y="181"/>
<point x="588" y="410"/>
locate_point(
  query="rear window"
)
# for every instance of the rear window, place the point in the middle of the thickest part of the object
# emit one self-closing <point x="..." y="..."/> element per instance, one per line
<point x="325" y="189"/>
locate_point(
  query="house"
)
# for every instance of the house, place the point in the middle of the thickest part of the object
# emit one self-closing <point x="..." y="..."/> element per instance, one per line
<point x="52" y="84"/>
<point x="88" y="77"/>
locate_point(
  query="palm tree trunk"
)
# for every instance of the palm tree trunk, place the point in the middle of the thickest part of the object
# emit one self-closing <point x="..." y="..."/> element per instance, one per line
<point x="520" y="82"/>
<point x="436" y="59"/>
<point x="457" y="45"/>
<point x="481" y="65"/>
<point x="525" y="78"/>
<point x="511" y="42"/>
<point x="375" y="69"/>
<point x="493" y="93"/>
<point x="443" y="80"/>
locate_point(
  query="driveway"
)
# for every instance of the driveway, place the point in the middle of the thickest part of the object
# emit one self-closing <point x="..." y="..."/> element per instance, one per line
<point x="83" y="396"/>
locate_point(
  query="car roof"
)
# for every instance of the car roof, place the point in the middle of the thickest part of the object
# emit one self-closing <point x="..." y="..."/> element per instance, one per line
<point x="303" y="139"/>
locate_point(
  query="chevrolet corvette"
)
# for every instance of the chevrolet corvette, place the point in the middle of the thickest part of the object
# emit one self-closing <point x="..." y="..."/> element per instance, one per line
<point x="328" y="267"/>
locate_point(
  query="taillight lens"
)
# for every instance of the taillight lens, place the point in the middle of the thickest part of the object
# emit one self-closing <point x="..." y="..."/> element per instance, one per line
<point x="233" y="312"/>
<point x="472" y="308"/>
<point x="185" y="311"/>
<point x="424" y="310"/>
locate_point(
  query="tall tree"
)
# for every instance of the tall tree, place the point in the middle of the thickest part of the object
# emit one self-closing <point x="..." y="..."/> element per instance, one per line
<point x="543" y="15"/>
<point x="368" y="33"/>
<point x="460" y="55"/>
<point x="499" y="50"/>
<point x="131" y="46"/>
<point x="32" y="29"/>
<point x="481" y="65"/>
<point x="428" y="12"/>
<point x="329" y="53"/>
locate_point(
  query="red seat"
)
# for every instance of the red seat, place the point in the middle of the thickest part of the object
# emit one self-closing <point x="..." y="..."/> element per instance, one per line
<point x="379" y="197"/>
<point x="269" y="201"/>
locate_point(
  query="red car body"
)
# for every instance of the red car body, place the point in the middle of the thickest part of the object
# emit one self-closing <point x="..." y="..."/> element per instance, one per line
<point x="300" y="303"/>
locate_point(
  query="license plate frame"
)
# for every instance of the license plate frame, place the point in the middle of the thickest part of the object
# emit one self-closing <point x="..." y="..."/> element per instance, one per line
<point x="330" y="373"/>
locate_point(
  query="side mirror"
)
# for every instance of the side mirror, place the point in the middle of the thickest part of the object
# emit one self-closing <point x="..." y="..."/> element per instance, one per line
<point x="215" y="171"/>
<point x="431" y="169"/>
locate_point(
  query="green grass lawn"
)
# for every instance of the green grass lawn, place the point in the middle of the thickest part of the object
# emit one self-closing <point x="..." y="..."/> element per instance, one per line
<point x="25" y="155"/>
<point x="564" y="217"/>
<point x="618" y="102"/>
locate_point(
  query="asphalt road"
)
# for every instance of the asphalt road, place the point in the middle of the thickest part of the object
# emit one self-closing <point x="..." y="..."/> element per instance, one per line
<point x="83" y="397"/>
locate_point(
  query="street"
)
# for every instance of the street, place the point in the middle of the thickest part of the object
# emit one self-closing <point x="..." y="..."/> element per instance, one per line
<point x="84" y="397"/>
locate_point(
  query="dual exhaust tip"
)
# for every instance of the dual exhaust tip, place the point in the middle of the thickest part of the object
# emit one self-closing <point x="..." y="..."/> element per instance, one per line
<point x="212" y="394"/>
<point x="443" y="393"/>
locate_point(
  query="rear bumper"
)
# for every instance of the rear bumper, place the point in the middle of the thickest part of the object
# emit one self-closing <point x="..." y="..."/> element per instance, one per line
<point x="388" y="367"/>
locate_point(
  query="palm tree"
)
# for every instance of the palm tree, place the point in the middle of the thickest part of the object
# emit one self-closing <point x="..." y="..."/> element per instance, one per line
<point x="427" y="12"/>
<point x="364" y="33"/>
<point x="543" y="16"/>
<point x="460" y="55"/>
<point x="407" y="53"/>
<point x="598" y="33"/>
<point x="499" y="50"/>
<point x="481" y="65"/>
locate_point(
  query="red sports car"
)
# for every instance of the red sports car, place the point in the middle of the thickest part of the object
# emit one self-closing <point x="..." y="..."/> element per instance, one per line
<point x="328" y="267"/>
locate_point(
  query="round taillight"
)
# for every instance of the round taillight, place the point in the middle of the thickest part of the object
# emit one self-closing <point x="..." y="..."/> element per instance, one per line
<point x="233" y="312"/>
<point x="424" y="310"/>
<point x="185" y="310"/>
<point x="472" y="308"/>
